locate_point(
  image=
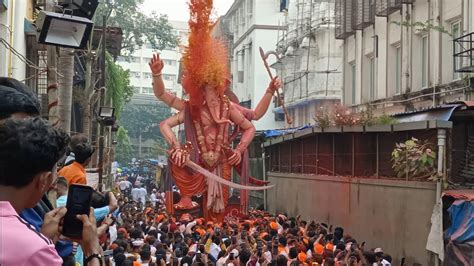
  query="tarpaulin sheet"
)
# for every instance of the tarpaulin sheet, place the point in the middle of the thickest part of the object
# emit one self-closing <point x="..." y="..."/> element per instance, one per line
<point x="462" y="222"/>
<point x="278" y="132"/>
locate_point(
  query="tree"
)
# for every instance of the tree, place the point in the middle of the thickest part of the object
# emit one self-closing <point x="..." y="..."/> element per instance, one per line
<point x="142" y="123"/>
<point x="136" y="26"/>
<point x="66" y="69"/>
<point x="118" y="83"/>
<point x="124" y="147"/>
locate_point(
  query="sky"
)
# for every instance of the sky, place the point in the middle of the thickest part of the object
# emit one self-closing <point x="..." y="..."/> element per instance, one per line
<point x="178" y="9"/>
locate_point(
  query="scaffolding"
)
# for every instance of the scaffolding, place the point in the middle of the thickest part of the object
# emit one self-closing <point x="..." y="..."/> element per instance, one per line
<point x="305" y="71"/>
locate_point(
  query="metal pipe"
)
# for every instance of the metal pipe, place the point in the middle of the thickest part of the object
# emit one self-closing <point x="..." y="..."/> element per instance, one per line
<point x="441" y="176"/>
<point x="377" y="156"/>
<point x="11" y="29"/>
<point x="264" y="177"/>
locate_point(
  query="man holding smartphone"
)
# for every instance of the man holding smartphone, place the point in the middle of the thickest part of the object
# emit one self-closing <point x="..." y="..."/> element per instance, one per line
<point x="33" y="140"/>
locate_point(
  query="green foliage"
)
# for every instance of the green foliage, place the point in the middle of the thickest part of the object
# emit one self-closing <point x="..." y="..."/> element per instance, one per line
<point x="118" y="83"/>
<point x="385" y="120"/>
<point x="366" y="116"/>
<point x="144" y="120"/>
<point x="136" y="26"/>
<point x="124" y="149"/>
<point x="414" y="159"/>
<point x="423" y="26"/>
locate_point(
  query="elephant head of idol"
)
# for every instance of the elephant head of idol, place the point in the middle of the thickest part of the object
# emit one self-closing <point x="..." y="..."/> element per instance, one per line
<point x="205" y="61"/>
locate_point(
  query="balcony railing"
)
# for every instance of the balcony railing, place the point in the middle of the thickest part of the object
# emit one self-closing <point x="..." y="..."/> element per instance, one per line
<point x="343" y="13"/>
<point x="363" y="14"/>
<point x="463" y="53"/>
<point x="384" y="8"/>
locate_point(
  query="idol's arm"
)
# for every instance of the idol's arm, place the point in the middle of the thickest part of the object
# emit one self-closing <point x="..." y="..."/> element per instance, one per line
<point x="156" y="66"/>
<point x="247" y="135"/>
<point x="264" y="103"/>
<point x="169" y="99"/>
<point x="177" y="155"/>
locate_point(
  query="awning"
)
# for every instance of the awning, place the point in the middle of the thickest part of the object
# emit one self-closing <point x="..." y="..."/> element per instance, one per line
<point x="440" y="113"/>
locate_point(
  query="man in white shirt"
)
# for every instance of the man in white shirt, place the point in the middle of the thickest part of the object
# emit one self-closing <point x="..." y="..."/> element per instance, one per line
<point x="124" y="186"/>
<point x="136" y="194"/>
<point x="142" y="195"/>
<point x="153" y="198"/>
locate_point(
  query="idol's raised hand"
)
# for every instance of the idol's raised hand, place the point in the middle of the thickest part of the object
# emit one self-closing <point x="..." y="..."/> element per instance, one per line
<point x="156" y="64"/>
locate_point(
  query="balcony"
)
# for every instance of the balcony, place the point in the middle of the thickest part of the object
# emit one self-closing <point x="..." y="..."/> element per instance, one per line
<point x="343" y="13"/>
<point x="383" y="8"/>
<point x="363" y="14"/>
<point x="463" y="52"/>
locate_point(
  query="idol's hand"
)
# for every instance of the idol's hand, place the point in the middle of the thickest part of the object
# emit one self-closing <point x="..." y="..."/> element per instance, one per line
<point x="235" y="158"/>
<point x="156" y="64"/>
<point x="179" y="156"/>
<point x="274" y="85"/>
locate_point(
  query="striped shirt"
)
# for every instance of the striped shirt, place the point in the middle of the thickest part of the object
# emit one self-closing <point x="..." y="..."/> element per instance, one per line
<point x="21" y="244"/>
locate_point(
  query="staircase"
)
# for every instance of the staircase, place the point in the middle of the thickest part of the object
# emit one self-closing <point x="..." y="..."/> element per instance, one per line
<point x="467" y="170"/>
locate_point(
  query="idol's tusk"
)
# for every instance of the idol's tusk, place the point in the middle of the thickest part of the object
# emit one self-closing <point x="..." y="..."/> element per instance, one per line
<point x="221" y="180"/>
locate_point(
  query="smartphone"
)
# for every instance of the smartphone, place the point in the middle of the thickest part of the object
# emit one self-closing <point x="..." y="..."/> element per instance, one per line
<point x="78" y="202"/>
<point x="231" y="256"/>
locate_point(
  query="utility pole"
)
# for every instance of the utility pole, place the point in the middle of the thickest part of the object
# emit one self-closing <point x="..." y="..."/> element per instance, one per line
<point x="102" y="101"/>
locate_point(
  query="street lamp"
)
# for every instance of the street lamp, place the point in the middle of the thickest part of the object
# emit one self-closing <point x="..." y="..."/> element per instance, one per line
<point x="60" y="29"/>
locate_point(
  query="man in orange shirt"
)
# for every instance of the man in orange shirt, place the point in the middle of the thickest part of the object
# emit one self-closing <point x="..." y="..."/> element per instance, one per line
<point x="75" y="173"/>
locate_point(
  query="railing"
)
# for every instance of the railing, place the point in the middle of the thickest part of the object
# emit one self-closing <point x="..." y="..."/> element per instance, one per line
<point x="463" y="52"/>
<point x="363" y="14"/>
<point x="343" y="16"/>
<point x="384" y="8"/>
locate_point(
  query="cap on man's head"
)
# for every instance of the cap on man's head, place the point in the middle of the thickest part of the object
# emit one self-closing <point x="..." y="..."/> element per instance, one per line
<point x="378" y="250"/>
<point x="16" y="97"/>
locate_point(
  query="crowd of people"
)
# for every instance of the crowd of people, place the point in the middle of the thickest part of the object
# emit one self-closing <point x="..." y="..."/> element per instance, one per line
<point x="130" y="226"/>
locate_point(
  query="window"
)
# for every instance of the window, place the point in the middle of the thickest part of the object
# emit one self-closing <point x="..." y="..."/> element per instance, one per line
<point x="136" y="89"/>
<point x="456" y="32"/>
<point x="353" y="80"/>
<point x="135" y="75"/>
<point x="398" y="70"/>
<point x="135" y="59"/>
<point x="169" y="77"/>
<point x="372" y="95"/>
<point x="148" y="75"/>
<point x="249" y="7"/>
<point x="169" y="62"/>
<point x="147" y="90"/>
<point x="424" y="61"/>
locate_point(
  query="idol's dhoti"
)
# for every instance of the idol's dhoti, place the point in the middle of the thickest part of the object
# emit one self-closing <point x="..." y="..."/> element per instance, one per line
<point x="215" y="195"/>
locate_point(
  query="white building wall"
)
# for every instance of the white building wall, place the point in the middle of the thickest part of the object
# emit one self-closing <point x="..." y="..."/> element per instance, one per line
<point x="253" y="24"/>
<point x="13" y="18"/>
<point x="360" y="47"/>
<point x="140" y="74"/>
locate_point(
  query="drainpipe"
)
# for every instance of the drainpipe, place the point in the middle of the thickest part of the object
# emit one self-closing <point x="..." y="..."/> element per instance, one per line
<point x="12" y="26"/>
<point x="264" y="178"/>
<point x="441" y="152"/>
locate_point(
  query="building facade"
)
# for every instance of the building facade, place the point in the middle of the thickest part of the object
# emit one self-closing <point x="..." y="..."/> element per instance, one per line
<point x="252" y="24"/>
<point x="140" y="73"/>
<point x="141" y="77"/>
<point x="311" y="62"/>
<point x="16" y="37"/>
<point x="398" y="55"/>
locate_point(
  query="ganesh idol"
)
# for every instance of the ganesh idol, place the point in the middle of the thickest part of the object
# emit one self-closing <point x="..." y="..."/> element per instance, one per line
<point x="211" y="119"/>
